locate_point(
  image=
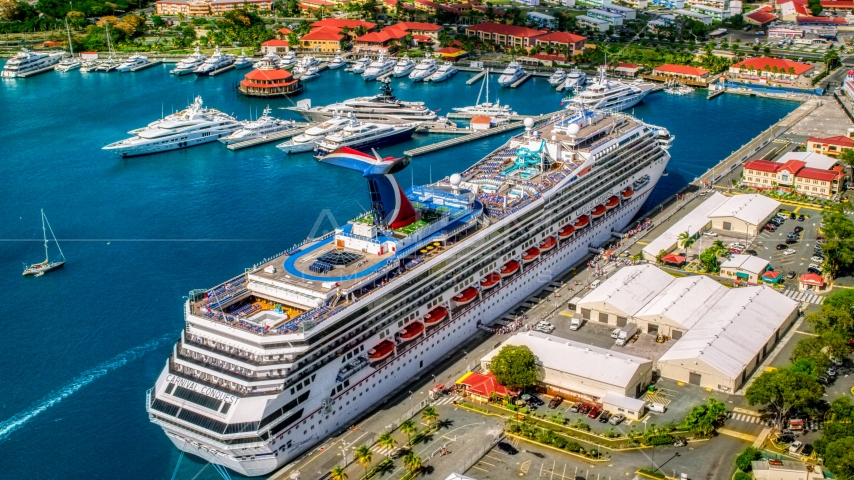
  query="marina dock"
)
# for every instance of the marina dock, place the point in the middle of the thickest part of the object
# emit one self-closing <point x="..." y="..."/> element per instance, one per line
<point x="36" y="72"/>
<point x="222" y="70"/>
<point x="715" y="93"/>
<point x="475" y="78"/>
<point x="270" y="138"/>
<point x="521" y="80"/>
<point x="462" y="139"/>
<point x="149" y="64"/>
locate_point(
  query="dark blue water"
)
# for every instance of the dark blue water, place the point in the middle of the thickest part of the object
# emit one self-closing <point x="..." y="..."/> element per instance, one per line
<point x="82" y="345"/>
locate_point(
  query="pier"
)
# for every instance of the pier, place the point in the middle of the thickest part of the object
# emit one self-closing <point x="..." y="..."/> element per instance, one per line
<point x="715" y="94"/>
<point x="472" y="136"/>
<point x="149" y="64"/>
<point x="475" y="78"/>
<point x="36" y="72"/>
<point x="269" y="138"/>
<point x="521" y="80"/>
<point x="222" y="70"/>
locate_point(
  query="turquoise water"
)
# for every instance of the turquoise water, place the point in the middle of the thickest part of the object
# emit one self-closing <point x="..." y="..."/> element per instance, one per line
<point x="83" y="344"/>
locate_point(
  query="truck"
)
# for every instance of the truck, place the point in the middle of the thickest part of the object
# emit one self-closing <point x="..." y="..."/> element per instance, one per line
<point x="626" y="334"/>
<point x="575" y="323"/>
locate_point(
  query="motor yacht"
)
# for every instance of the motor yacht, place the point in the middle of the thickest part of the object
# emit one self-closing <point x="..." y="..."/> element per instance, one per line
<point x="494" y="110"/>
<point x="610" y="95"/>
<point x="364" y="135"/>
<point x="242" y="61"/>
<point x="308" y="61"/>
<point x="384" y="107"/>
<point x="424" y="69"/>
<point x="337" y="63"/>
<point x="378" y="68"/>
<point x="308" y="73"/>
<point x="446" y="71"/>
<point x="134" y="61"/>
<point x="263" y="127"/>
<point x="108" y="64"/>
<point x="306" y="141"/>
<point x="361" y="65"/>
<point x="557" y="78"/>
<point x="27" y="61"/>
<point x="88" y="66"/>
<point x="288" y="60"/>
<point x="69" y="63"/>
<point x="192" y="126"/>
<point x="511" y="74"/>
<point x="189" y="63"/>
<point x="575" y="79"/>
<point x="404" y="67"/>
<point x="217" y="61"/>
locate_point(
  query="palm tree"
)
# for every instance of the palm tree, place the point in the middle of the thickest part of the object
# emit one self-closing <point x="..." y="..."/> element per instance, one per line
<point x="412" y="462"/>
<point x="408" y="427"/>
<point x="338" y="473"/>
<point x="387" y="441"/>
<point x="364" y="456"/>
<point x="429" y="414"/>
<point x="685" y="240"/>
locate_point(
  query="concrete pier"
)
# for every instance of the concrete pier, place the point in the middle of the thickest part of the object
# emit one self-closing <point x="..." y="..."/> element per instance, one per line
<point x="475" y="78"/>
<point x="147" y="65"/>
<point x="269" y="138"/>
<point x="222" y="70"/>
<point x="521" y="80"/>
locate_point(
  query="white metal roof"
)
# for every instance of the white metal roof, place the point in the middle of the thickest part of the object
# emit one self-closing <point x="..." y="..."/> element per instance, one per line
<point x="574" y="358"/>
<point x="629" y="289"/>
<point x="748" y="263"/>
<point x="751" y="208"/>
<point x="734" y="330"/>
<point x="692" y="222"/>
<point x="812" y="159"/>
<point x="683" y="302"/>
<point x="632" y="404"/>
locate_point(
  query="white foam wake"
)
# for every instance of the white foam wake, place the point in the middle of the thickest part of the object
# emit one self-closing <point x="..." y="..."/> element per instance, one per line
<point x="85" y="378"/>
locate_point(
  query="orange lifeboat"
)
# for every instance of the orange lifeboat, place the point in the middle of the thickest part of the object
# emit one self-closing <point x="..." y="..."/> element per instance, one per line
<point x="510" y="268"/>
<point x="411" y="331"/>
<point x="466" y="296"/>
<point x="381" y="351"/>
<point x="628" y="193"/>
<point x="435" y="316"/>
<point x="548" y="243"/>
<point x="490" y="281"/>
<point x="612" y="202"/>
<point x="582" y="222"/>
<point x="598" y="211"/>
<point x="566" y="232"/>
<point x="531" y="255"/>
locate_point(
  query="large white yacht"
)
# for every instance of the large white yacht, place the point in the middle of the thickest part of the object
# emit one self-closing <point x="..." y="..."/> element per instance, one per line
<point x="611" y="95"/>
<point x="361" y="65"/>
<point x="557" y="77"/>
<point x="288" y="60"/>
<point x="364" y="135"/>
<point x="217" y="61"/>
<point x="189" y="63"/>
<point x="446" y="71"/>
<point x="190" y="127"/>
<point x="424" y="69"/>
<point x="378" y="68"/>
<point x="575" y="79"/>
<point x="306" y="141"/>
<point x="337" y="62"/>
<point x="242" y="61"/>
<point x="27" y="62"/>
<point x="487" y="108"/>
<point x="135" y="60"/>
<point x="511" y="74"/>
<point x="384" y="107"/>
<point x="297" y="347"/>
<point x="263" y="127"/>
<point x="403" y="67"/>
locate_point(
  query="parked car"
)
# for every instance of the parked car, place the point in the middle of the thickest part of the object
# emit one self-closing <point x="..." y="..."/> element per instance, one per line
<point x="584" y="408"/>
<point x="752" y="252"/>
<point x="736" y="245"/>
<point x="798" y="229"/>
<point x="801" y="218"/>
<point x="594" y="412"/>
<point x="770" y="228"/>
<point x="506" y="448"/>
<point x="555" y="402"/>
<point x="535" y="400"/>
<point x="790" y="251"/>
<point x="819" y="239"/>
<point x="815" y="266"/>
<point x="791" y="274"/>
<point x="796" y="447"/>
<point x="792" y="216"/>
<point x="710" y="234"/>
<point x="822" y="379"/>
<point x="817" y="258"/>
<point x="574" y="408"/>
<point x="814" y="270"/>
<point x="791" y="241"/>
<point x="617" y="419"/>
<point x="680" y="442"/>
<point x="782" y="246"/>
<point x="782" y="215"/>
<point x="604" y="417"/>
<point x="807" y="451"/>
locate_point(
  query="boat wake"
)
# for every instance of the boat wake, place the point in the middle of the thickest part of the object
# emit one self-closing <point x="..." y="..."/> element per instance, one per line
<point x="85" y="378"/>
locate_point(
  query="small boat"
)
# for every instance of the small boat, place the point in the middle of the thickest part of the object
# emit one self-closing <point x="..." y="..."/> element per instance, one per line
<point x="547" y="244"/>
<point x="39" y="269"/>
<point x="598" y="211"/>
<point x="509" y="268"/>
<point x="466" y="296"/>
<point x="490" y="281"/>
<point x="446" y="71"/>
<point x="582" y="222"/>
<point x="381" y="351"/>
<point x="628" y="193"/>
<point x="566" y="232"/>
<point x="337" y="62"/>
<point x="361" y="65"/>
<point x="530" y="255"/>
<point x="435" y="316"/>
<point x="71" y="63"/>
<point x="242" y="61"/>
<point x="612" y="202"/>
<point x="411" y="331"/>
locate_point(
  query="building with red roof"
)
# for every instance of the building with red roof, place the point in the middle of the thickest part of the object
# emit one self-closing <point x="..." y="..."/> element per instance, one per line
<point x="505" y="35"/>
<point x="670" y="71"/>
<point x="275" y="46"/>
<point x="793" y="175"/>
<point x="269" y="81"/>
<point x="207" y="7"/>
<point x="789" y="10"/>
<point x="341" y="23"/>
<point x="760" y="17"/>
<point x="809" y="19"/>
<point x="831" y="146"/>
<point x="766" y="70"/>
<point x="283" y="32"/>
<point x="481" y="387"/>
<point x="323" y="39"/>
<point x="811" y="281"/>
<point x="433" y="8"/>
<point x="841" y="6"/>
<point x="557" y="41"/>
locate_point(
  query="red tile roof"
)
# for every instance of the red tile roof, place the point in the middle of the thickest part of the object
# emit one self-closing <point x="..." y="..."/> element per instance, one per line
<point x="797" y="2"/>
<point x="681" y="70"/>
<point x="818" y="174"/>
<point x="340" y="23"/>
<point x="268" y="75"/>
<point x="449" y="50"/>
<point x="793" y="166"/>
<point x="422" y="38"/>
<point x="811" y="19"/>
<point x="423" y="26"/>
<point x="761" y="17"/>
<point x="484" y="385"/>
<point x="840" y="140"/>
<point x="836" y="4"/>
<point x="771" y="274"/>
<point x="549" y="58"/>
<point x="502" y="29"/>
<point x="323" y="33"/>
<point x="480" y="119"/>
<point x="561" y="37"/>
<point x="378" y="37"/>
<point x="762" y="166"/>
<point x="275" y="43"/>
<point x="284" y="31"/>
<point x="760" y="63"/>
<point x="812" y="279"/>
<point x="674" y="259"/>
<point x="767" y="8"/>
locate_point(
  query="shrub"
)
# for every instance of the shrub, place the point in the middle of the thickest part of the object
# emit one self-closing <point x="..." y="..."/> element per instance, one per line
<point x="649" y="472"/>
<point x="573" y="447"/>
<point x="749" y="454"/>
<point x="742" y="476"/>
<point x="581" y="425"/>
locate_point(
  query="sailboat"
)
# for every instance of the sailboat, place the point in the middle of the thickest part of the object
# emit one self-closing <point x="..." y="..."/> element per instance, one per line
<point x="39" y="269"/>
<point x="486" y="108"/>
<point x="67" y="64"/>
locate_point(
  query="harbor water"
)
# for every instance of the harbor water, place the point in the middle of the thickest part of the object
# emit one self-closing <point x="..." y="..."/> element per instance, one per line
<point x="82" y="345"/>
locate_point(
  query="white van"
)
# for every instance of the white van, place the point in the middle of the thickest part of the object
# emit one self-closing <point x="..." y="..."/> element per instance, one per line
<point x="575" y="323"/>
<point x="656" y="407"/>
<point x="595" y="284"/>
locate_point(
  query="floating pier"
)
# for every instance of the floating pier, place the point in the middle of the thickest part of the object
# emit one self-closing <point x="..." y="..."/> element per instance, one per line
<point x="468" y="116"/>
<point x="222" y="70"/>
<point x="475" y="78"/>
<point x="269" y="138"/>
<point x="521" y="80"/>
<point x="463" y="139"/>
<point x="715" y="93"/>
<point x="36" y="72"/>
<point x="149" y="64"/>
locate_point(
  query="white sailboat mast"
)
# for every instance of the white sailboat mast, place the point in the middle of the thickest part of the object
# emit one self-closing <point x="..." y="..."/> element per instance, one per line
<point x="44" y="234"/>
<point x="44" y="219"/>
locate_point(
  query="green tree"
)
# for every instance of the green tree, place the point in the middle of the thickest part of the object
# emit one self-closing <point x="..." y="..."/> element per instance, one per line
<point x="158" y="21"/>
<point x="364" y="456"/>
<point x="847" y="157"/>
<point x="709" y="259"/>
<point x="805" y="365"/>
<point x="841" y="410"/>
<point x="839" y="458"/>
<point x="430" y="414"/>
<point x="782" y="390"/>
<point x="831" y="59"/>
<point x="838" y="248"/>
<point x="408" y="427"/>
<point x="661" y="254"/>
<point x="338" y="473"/>
<point x="704" y="419"/>
<point x="749" y="454"/>
<point x="686" y="241"/>
<point x="387" y="441"/>
<point x="412" y="462"/>
<point x="515" y="367"/>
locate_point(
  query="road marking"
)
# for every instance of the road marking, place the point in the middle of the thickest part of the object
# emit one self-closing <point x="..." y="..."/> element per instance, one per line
<point x="739" y="435"/>
<point x="641" y="243"/>
<point x="491" y="465"/>
<point x="482" y="470"/>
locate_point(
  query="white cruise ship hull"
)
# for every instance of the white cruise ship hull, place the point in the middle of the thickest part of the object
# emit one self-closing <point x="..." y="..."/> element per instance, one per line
<point x="370" y="386"/>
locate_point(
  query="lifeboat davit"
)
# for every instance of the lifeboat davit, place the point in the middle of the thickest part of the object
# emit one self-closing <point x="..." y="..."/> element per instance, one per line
<point x="510" y="268"/>
<point x="411" y="331"/>
<point x="435" y="316"/>
<point x="490" y="281"/>
<point x="598" y="211"/>
<point x="548" y="243"/>
<point x="582" y="222"/>
<point x="381" y="351"/>
<point x="628" y="193"/>
<point x="612" y="202"/>
<point x="466" y="296"/>
<point x="531" y="255"/>
<point x="566" y="231"/>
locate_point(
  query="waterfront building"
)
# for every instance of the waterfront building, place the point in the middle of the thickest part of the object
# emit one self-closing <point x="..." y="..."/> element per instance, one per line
<point x="831" y="146"/>
<point x="196" y="8"/>
<point x="773" y="71"/>
<point x="805" y="173"/>
<point x="570" y="43"/>
<point x="717" y="13"/>
<point x="542" y="19"/>
<point x="505" y="35"/>
<point x="268" y="80"/>
<point x="700" y="17"/>
<point x="323" y="40"/>
<point x="761" y="16"/>
<point x="745" y="268"/>
<point x="627" y="70"/>
<point x="613" y="19"/>
<point x="669" y="71"/>
<point x="721" y="4"/>
<point x="275" y="46"/>
<point x="389" y="38"/>
<point x="594" y="23"/>
<point x="838" y="6"/>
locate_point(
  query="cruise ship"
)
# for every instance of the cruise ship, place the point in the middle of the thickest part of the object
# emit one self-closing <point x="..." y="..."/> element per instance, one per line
<point x="384" y="107"/>
<point x="27" y="61"/>
<point x="612" y="95"/>
<point x="273" y="361"/>
<point x="364" y="135"/>
<point x="263" y="127"/>
<point x="192" y="126"/>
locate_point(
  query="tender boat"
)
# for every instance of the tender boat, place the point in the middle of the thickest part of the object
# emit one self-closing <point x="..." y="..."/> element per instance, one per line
<point x="435" y="316"/>
<point x="531" y="255"/>
<point x="582" y="222"/>
<point x="411" y="332"/>
<point x="490" y="281"/>
<point x="509" y="268"/>
<point x="547" y="244"/>
<point x="381" y="351"/>
<point x="466" y="296"/>
<point x="565" y="232"/>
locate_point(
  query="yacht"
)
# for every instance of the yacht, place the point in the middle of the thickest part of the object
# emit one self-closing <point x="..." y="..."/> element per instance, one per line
<point x="217" y="61"/>
<point x="557" y="78"/>
<point x="511" y="74"/>
<point x="70" y="63"/>
<point x="110" y="63"/>
<point x="134" y="61"/>
<point x="384" y="107"/>
<point x="307" y="73"/>
<point x="306" y="141"/>
<point x="265" y="126"/>
<point x="337" y="62"/>
<point x="27" y="61"/>
<point x="404" y="67"/>
<point x="361" y="65"/>
<point x="39" y="269"/>
<point x="364" y="135"/>
<point x="494" y="110"/>
<point x="288" y="60"/>
<point x="446" y="71"/>
<point x="308" y="61"/>
<point x="89" y="66"/>
<point x="242" y="61"/>
<point x="575" y="79"/>
<point x="190" y="127"/>
<point x="378" y="68"/>
<point x="189" y="63"/>
<point x="610" y="95"/>
<point x="424" y="69"/>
